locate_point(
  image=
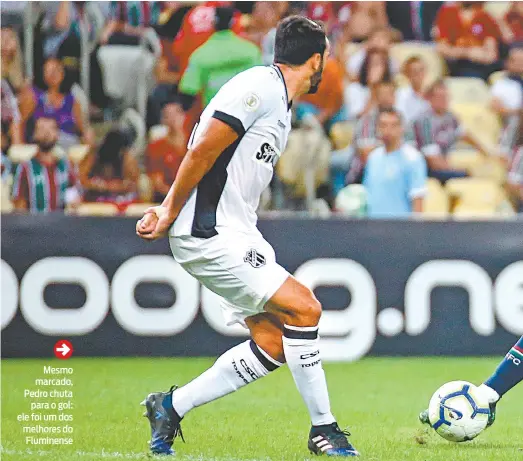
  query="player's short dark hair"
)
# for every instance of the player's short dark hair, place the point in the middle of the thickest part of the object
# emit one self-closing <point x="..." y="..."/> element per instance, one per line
<point x="298" y="39"/>
<point x="391" y="111"/>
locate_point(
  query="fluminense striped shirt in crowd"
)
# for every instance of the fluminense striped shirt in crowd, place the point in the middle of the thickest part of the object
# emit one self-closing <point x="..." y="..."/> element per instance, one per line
<point x="507" y="141"/>
<point x="515" y="174"/>
<point x="436" y="134"/>
<point x="45" y="187"/>
<point x="366" y="132"/>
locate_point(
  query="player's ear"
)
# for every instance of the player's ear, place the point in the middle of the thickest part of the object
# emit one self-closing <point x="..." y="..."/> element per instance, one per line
<point x="316" y="59"/>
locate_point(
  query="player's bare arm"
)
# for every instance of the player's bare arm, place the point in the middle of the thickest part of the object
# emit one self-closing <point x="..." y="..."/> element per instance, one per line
<point x="196" y="163"/>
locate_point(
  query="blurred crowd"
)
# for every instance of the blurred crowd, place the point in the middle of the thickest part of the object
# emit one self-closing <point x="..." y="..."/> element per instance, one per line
<point x="420" y="109"/>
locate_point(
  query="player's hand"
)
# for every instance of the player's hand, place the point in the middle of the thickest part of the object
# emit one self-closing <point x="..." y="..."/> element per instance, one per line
<point x="155" y="223"/>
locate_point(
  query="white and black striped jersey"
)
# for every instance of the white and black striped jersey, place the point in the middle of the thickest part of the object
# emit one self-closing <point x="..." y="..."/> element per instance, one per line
<point x="255" y="104"/>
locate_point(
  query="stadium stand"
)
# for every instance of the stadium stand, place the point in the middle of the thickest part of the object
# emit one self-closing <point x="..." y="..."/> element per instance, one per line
<point x="128" y="69"/>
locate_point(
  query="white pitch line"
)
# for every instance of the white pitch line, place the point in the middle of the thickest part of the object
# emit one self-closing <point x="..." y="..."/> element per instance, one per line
<point x="86" y="454"/>
<point x="112" y="455"/>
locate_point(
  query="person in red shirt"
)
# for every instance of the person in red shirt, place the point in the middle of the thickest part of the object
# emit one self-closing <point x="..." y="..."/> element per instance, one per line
<point x="197" y="27"/>
<point x="165" y="155"/>
<point x="468" y="38"/>
<point x="512" y="24"/>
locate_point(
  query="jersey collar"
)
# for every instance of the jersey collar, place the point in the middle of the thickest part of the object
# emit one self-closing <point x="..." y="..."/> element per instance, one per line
<point x="278" y="71"/>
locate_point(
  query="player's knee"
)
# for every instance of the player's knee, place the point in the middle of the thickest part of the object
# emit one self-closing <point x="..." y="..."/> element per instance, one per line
<point x="310" y="311"/>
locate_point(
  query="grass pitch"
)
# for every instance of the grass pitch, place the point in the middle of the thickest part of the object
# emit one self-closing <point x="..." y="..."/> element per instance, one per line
<point x="378" y="398"/>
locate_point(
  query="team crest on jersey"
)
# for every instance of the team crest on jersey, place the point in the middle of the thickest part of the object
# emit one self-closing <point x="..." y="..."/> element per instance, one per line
<point x="267" y="154"/>
<point x="251" y="102"/>
<point x="254" y="258"/>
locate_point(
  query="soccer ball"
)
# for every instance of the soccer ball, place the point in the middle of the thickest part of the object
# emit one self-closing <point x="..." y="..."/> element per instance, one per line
<point x="458" y="411"/>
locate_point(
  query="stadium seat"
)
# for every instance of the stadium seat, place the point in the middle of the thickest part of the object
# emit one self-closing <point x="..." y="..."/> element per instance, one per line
<point x="490" y="168"/>
<point x="468" y="90"/>
<point x="138" y="209"/>
<point x="466" y="212"/>
<point x="19" y="153"/>
<point x="497" y="9"/>
<point x="157" y="131"/>
<point x="495" y="76"/>
<point x="6" y="206"/>
<point x="475" y="192"/>
<point x="145" y="188"/>
<point x="436" y="203"/>
<point x="465" y="159"/>
<point x="350" y="49"/>
<point x="435" y="64"/>
<point x="77" y="153"/>
<point x="480" y="121"/>
<point x="341" y="134"/>
<point x="97" y="209"/>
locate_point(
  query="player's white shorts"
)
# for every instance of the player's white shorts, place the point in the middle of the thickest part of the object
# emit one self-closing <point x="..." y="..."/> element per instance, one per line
<point x="241" y="268"/>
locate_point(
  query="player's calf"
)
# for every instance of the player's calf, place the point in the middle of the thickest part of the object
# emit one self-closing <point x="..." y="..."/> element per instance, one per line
<point x="300" y="312"/>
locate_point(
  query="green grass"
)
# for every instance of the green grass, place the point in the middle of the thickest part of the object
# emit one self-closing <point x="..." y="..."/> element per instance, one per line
<point x="378" y="398"/>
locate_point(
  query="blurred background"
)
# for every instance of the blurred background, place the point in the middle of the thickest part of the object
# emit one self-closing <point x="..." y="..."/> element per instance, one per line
<point x="98" y="102"/>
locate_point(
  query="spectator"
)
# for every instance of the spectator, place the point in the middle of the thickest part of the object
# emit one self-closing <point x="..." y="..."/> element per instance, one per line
<point x="349" y="21"/>
<point x="366" y="135"/>
<point x="264" y="18"/>
<point x="167" y="77"/>
<point x="45" y="183"/>
<point x="414" y="20"/>
<point x="512" y="24"/>
<point x="437" y="130"/>
<point x="165" y="155"/>
<point x="395" y="175"/>
<point x="327" y="103"/>
<point x="197" y="27"/>
<point x="380" y="40"/>
<point x="468" y="38"/>
<point x="129" y="21"/>
<point x="110" y="174"/>
<point x="360" y="96"/>
<point x="269" y="39"/>
<point x="55" y="102"/>
<point x="11" y="59"/>
<point x="10" y="114"/>
<point x="63" y="41"/>
<point x="219" y="59"/>
<point x="507" y="92"/>
<point x="410" y="100"/>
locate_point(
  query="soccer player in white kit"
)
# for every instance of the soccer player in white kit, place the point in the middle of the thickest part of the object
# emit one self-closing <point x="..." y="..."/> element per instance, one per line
<point x="210" y="217"/>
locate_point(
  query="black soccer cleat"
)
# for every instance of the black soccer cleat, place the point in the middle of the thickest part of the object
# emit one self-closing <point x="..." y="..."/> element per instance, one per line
<point x="330" y="440"/>
<point x="165" y="423"/>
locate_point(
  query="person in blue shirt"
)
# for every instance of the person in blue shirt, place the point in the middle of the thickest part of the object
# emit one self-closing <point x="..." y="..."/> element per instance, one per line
<point x="395" y="175"/>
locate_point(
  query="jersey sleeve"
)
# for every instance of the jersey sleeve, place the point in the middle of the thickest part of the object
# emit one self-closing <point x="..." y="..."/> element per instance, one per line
<point x="245" y="106"/>
<point x="417" y="175"/>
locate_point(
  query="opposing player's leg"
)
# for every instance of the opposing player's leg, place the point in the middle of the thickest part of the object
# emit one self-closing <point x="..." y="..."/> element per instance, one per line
<point x="299" y="311"/>
<point x="237" y="367"/>
<point x="506" y="376"/>
<point x="508" y="373"/>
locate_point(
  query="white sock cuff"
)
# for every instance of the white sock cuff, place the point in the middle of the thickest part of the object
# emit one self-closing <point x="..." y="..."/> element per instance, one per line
<point x="292" y="332"/>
